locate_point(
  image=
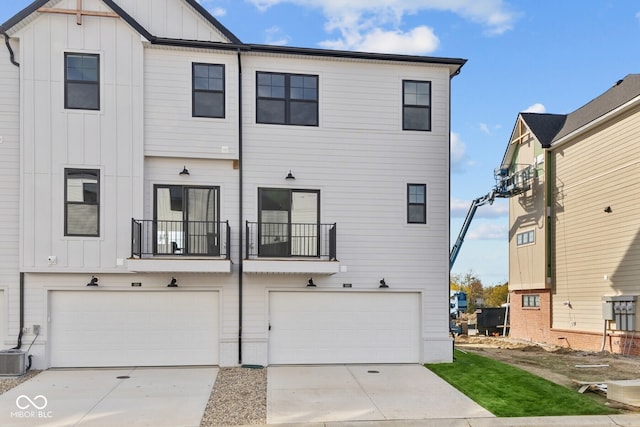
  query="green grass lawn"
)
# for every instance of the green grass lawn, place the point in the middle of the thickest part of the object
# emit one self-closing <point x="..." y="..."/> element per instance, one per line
<point x="507" y="391"/>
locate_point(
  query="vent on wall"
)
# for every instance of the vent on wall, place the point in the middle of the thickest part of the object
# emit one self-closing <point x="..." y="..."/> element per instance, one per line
<point x="12" y="362"/>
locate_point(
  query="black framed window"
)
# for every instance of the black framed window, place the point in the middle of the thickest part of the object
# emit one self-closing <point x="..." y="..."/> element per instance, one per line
<point x="81" y="81"/>
<point x="208" y="90"/>
<point x="526" y="238"/>
<point x="417" y="203"/>
<point x="416" y="105"/>
<point x="531" y="300"/>
<point x="82" y="202"/>
<point x="287" y="99"/>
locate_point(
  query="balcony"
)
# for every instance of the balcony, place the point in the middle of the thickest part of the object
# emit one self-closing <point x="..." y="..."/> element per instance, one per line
<point x="180" y="246"/>
<point x="290" y="248"/>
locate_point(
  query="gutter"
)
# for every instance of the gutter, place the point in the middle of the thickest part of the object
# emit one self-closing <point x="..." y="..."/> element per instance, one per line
<point x="240" y="206"/>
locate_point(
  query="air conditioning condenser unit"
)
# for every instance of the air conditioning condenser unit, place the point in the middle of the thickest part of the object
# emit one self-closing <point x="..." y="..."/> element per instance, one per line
<point x="13" y="362"/>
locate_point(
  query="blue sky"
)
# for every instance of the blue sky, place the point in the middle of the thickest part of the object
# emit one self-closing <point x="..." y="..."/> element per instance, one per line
<point x="525" y="55"/>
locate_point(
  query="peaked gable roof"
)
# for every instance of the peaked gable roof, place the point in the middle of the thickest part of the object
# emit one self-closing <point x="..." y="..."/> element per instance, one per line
<point x="544" y="126"/>
<point x="33" y="7"/>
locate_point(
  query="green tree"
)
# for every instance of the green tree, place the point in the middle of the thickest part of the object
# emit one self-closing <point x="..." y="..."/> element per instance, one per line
<point x="495" y="296"/>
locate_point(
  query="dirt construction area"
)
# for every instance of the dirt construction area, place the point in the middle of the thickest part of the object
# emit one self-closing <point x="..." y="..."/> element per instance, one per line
<point x="570" y="368"/>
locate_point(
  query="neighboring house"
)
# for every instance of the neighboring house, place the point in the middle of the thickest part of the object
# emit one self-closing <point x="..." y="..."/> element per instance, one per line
<point x="574" y="242"/>
<point x="171" y="193"/>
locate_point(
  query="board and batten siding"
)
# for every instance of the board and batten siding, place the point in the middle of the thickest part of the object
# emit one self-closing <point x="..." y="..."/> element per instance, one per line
<point x="9" y="192"/>
<point x="171" y="19"/>
<point x="596" y="253"/>
<point x="361" y="161"/>
<point x="527" y="263"/>
<point x="170" y="129"/>
<point x="54" y="139"/>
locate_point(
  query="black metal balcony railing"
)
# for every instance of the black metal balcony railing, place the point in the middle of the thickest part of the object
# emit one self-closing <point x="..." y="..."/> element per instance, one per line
<point x="268" y="239"/>
<point x="180" y="238"/>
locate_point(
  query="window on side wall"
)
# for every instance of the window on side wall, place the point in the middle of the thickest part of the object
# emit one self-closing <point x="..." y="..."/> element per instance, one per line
<point x="531" y="300"/>
<point x="81" y="81"/>
<point x="416" y="203"/>
<point x="208" y="90"/>
<point x="526" y="238"/>
<point x="82" y="202"/>
<point x="416" y="105"/>
<point x="287" y="99"/>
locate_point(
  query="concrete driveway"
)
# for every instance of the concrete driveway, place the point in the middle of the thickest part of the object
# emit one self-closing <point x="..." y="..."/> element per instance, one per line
<point x="303" y="394"/>
<point x="110" y="397"/>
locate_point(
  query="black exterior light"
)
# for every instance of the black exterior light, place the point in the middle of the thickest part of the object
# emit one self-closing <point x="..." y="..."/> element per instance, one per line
<point x="290" y="176"/>
<point x="185" y="171"/>
<point x="383" y="284"/>
<point x="173" y="283"/>
<point x="93" y="281"/>
<point x="608" y="209"/>
<point x="310" y="283"/>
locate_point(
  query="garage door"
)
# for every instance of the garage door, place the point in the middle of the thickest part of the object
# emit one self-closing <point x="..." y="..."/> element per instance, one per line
<point x="344" y="327"/>
<point x="3" y="316"/>
<point x="135" y="328"/>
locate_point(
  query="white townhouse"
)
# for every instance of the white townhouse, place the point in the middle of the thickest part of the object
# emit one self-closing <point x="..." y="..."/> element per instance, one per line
<point x="174" y="196"/>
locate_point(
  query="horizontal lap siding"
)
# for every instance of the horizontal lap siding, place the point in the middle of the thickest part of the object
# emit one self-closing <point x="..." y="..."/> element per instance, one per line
<point x="170" y="129"/>
<point x="601" y="170"/>
<point x="361" y="161"/>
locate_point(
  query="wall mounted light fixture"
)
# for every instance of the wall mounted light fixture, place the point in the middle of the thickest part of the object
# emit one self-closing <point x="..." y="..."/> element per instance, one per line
<point x="290" y="176"/>
<point x="383" y="284"/>
<point x="173" y="283"/>
<point x="93" y="281"/>
<point x="185" y="171"/>
<point x="310" y="283"/>
<point x="608" y="209"/>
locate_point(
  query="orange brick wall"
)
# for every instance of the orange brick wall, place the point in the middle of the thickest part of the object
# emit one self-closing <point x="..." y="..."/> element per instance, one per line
<point x="534" y="324"/>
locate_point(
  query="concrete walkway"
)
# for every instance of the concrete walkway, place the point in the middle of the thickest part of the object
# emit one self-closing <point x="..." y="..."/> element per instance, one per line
<point x="110" y="397"/>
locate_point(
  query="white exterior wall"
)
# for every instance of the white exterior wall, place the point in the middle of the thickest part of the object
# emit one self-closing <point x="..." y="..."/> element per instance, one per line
<point x="54" y="139"/>
<point x="361" y="161"/>
<point x="170" y="129"/>
<point x="9" y="194"/>
<point x="358" y="157"/>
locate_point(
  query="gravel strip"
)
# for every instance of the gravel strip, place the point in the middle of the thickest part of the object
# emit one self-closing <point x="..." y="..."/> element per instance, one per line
<point x="7" y="383"/>
<point x="239" y="397"/>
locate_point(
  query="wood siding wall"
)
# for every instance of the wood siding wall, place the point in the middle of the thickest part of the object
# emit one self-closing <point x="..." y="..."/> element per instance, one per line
<point x="596" y="253"/>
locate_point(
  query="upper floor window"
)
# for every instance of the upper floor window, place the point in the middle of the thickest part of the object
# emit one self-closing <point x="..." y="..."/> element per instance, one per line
<point x="416" y="105"/>
<point x="525" y="238"/>
<point x="82" y="81"/>
<point x="208" y="90"/>
<point x="287" y="99"/>
<point x="82" y="202"/>
<point x="417" y="203"/>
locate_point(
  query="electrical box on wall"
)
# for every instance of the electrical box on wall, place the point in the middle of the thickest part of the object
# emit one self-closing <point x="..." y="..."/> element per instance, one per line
<point x="622" y="310"/>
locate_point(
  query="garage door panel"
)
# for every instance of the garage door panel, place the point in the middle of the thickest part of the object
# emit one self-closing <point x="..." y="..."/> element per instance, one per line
<point x="344" y="327"/>
<point x="120" y="328"/>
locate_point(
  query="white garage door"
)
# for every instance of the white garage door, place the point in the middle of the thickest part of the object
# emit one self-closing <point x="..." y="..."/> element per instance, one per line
<point x="3" y="316"/>
<point x="133" y="328"/>
<point x="344" y="327"/>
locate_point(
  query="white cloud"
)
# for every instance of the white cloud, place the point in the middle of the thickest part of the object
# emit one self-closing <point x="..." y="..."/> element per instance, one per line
<point x="418" y="41"/>
<point x="275" y="36"/>
<point x="488" y="231"/>
<point x="485" y="128"/>
<point x="458" y="152"/>
<point x="459" y="209"/>
<point x="638" y="16"/>
<point x="536" y="108"/>
<point x="374" y="25"/>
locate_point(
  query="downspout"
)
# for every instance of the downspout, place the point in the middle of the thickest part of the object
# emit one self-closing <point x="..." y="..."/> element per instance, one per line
<point x="19" y="344"/>
<point x="240" y="205"/>
<point x="12" y="57"/>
